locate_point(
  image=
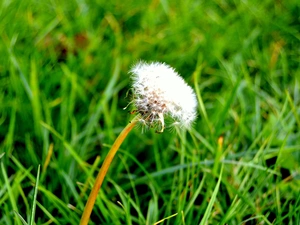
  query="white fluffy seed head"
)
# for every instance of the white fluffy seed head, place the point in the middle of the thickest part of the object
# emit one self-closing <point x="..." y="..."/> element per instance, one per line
<point x="158" y="91"/>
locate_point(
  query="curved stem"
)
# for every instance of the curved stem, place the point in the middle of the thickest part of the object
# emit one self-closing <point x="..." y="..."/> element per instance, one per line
<point x="100" y="177"/>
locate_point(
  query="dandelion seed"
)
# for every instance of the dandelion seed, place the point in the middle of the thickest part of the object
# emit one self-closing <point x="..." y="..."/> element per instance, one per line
<point x="159" y="91"/>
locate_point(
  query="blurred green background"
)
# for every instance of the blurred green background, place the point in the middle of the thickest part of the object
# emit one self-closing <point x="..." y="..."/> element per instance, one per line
<point x="63" y="86"/>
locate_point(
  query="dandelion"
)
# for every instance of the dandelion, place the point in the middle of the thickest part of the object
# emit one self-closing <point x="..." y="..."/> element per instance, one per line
<point x="158" y="92"/>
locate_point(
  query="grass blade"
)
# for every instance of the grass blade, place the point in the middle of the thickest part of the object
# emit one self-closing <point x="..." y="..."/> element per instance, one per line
<point x="212" y="200"/>
<point x="21" y="218"/>
<point x="33" y="210"/>
<point x="9" y="190"/>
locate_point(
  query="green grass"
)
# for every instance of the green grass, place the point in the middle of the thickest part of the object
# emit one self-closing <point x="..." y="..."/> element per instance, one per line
<point x="63" y="85"/>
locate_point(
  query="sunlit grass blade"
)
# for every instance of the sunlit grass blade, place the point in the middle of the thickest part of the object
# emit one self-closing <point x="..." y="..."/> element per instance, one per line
<point x="197" y="75"/>
<point x="10" y="192"/>
<point x="33" y="209"/>
<point x="21" y="218"/>
<point x="35" y="100"/>
<point x="164" y="219"/>
<point x="213" y="198"/>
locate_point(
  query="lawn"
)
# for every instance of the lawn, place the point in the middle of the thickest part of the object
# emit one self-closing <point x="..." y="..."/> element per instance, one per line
<point x="64" y="84"/>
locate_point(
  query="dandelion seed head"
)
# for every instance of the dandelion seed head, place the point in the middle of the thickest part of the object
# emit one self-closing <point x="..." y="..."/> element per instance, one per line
<point x="158" y="91"/>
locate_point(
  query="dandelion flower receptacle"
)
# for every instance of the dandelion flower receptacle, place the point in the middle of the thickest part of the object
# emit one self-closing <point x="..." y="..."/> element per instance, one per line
<point x="159" y="91"/>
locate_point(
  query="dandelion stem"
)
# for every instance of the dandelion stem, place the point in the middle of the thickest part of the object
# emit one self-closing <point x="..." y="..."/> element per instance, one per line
<point x="100" y="177"/>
